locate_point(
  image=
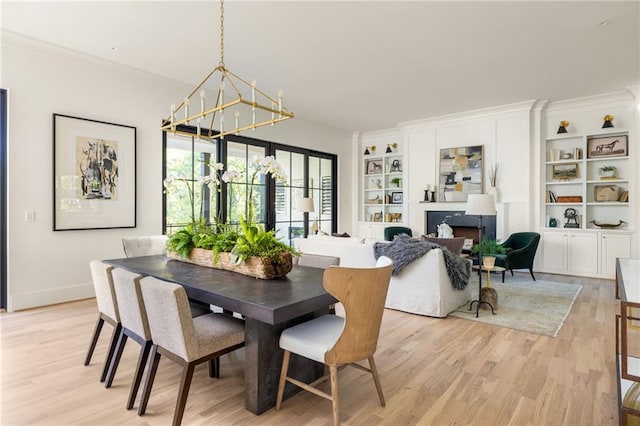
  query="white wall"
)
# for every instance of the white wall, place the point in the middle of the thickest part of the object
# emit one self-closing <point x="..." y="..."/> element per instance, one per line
<point x="47" y="267"/>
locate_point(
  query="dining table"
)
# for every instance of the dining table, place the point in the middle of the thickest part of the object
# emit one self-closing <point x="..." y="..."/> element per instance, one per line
<point x="267" y="306"/>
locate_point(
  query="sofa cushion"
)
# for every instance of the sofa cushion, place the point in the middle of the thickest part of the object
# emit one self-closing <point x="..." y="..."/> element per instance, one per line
<point x="453" y="244"/>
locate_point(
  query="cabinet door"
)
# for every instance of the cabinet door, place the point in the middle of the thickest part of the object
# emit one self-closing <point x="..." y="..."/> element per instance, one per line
<point x="583" y="253"/>
<point x="555" y="251"/>
<point x="613" y="246"/>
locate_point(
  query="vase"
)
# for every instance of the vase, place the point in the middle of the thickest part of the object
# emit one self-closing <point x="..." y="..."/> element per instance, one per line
<point x="254" y="266"/>
<point x="488" y="261"/>
<point x="494" y="192"/>
<point x="632" y="400"/>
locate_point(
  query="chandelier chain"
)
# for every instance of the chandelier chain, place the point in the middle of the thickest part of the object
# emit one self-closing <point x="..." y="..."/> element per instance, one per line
<point x="222" y="33"/>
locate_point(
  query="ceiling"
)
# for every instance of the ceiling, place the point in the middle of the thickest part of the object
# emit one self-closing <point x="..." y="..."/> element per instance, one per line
<point x="356" y="65"/>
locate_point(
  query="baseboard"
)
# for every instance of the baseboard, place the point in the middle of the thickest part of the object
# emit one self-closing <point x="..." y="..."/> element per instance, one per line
<point x="34" y="299"/>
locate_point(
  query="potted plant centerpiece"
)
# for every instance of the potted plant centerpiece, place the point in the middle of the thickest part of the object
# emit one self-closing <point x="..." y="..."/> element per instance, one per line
<point x="607" y="172"/>
<point x="489" y="247"/>
<point x="249" y="249"/>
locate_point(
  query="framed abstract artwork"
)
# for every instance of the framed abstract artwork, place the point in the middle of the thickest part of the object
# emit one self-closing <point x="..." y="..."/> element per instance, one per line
<point x="460" y="173"/>
<point x="94" y="174"/>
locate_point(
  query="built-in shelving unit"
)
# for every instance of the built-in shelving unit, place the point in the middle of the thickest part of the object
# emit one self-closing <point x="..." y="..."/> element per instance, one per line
<point x="383" y="185"/>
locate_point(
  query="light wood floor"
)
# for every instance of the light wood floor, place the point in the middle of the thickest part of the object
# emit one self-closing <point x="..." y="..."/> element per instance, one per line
<point x="433" y="371"/>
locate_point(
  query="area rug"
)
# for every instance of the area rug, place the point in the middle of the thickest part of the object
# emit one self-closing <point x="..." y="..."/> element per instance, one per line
<point x="535" y="306"/>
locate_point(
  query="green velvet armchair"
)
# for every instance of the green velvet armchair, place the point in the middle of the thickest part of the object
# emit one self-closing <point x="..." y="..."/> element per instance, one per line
<point x="391" y="231"/>
<point x="522" y="250"/>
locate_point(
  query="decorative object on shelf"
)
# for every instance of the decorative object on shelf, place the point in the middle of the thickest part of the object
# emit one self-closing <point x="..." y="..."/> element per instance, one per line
<point x="396" y="197"/>
<point x="445" y="231"/>
<point x="608" y="121"/>
<point x="377" y="217"/>
<point x="460" y="173"/>
<point x="374" y="167"/>
<point x="604" y="193"/>
<point x="430" y="194"/>
<point x="563" y="127"/>
<point x="567" y="156"/>
<point x="396" y="182"/>
<point x="396" y="166"/>
<point x="553" y="222"/>
<point x="607" y="225"/>
<point x="609" y="146"/>
<point x="632" y="400"/>
<point x="624" y="197"/>
<point x="572" y="218"/>
<point x="565" y="171"/>
<point x="493" y="180"/>
<point x="94" y="174"/>
<point x="569" y="199"/>
<point x="607" y="172"/>
<point x="376" y="200"/>
<point x="236" y="99"/>
<point x="367" y="148"/>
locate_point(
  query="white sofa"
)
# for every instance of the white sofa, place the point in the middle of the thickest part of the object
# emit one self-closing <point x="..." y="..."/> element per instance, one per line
<point x="423" y="287"/>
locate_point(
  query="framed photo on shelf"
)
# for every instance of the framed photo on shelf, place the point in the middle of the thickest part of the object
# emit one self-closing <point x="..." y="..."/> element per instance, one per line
<point x="377" y="217"/>
<point x="396" y="197"/>
<point x="94" y="174"/>
<point x="565" y="171"/>
<point x="606" y="147"/>
<point x="374" y="167"/>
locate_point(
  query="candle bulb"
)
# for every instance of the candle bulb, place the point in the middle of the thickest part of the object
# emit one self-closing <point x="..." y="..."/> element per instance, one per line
<point x="253" y="93"/>
<point x="202" y="94"/>
<point x="173" y="113"/>
<point x="221" y="93"/>
<point x="280" y="94"/>
<point x="237" y="120"/>
<point x="198" y="128"/>
<point x="186" y="110"/>
<point x="273" y="115"/>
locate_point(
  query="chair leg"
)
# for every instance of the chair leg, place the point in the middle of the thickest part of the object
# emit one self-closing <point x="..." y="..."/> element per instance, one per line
<point x="137" y="378"/>
<point x="376" y="379"/>
<point x="511" y="271"/>
<point x="335" y="403"/>
<point x="283" y="378"/>
<point x="185" y="384"/>
<point x="502" y="277"/>
<point x="115" y="359"/>
<point x="94" y="339"/>
<point x="154" y="358"/>
<point x="531" y="272"/>
<point x="112" y="348"/>
<point x="214" y="368"/>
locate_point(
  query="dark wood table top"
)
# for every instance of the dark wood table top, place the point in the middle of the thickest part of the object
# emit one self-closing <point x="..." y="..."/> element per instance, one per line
<point x="270" y="301"/>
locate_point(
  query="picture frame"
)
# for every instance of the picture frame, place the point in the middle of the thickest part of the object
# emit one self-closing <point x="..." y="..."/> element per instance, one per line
<point x="377" y="217"/>
<point x="374" y="167"/>
<point x="608" y="146"/>
<point x="564" y="171"/>
<point x="94" y="174"/>
<point x="396" y="197"/>
<point x="460" y="173"/>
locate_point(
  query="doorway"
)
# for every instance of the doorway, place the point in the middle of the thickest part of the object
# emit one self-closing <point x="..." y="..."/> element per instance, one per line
<point x="3" y="199"/>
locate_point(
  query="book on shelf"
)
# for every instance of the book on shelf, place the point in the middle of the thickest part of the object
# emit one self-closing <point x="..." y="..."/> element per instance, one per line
<point x="577" y="153"/>
<point x="551" y="197"/>
<point x="624" y="197"/>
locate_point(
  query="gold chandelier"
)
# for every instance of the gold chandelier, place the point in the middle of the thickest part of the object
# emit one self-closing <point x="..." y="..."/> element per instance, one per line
<point x="239" y="105"/>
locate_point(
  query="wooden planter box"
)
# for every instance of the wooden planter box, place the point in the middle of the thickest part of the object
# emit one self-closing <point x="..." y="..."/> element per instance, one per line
<point x="259" y="267"/>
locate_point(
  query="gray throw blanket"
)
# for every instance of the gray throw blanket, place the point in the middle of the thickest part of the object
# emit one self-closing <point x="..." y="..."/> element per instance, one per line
<point x="403" y="250"/>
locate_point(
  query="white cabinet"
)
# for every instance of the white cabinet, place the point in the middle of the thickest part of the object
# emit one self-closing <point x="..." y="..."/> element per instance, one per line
<point x="583" y="252"/>
<point x="371" y="230"/>
<point x="612" y="246"/>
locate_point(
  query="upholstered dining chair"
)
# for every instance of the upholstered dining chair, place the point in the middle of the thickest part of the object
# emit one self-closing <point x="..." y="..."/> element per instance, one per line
<point x="107" y="311"/>
<point x="521" y="252"/>
<point x="157" y="244"/>
<point x="185" y="341"/>
<point x="337" y="341"/>
<point x="391" y="231"/>
<point x="316" y="260"/>
<point x="144" y="245"/>
<point x="135" y="325"/>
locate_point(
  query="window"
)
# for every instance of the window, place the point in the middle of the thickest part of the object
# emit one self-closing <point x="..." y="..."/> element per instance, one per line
<point x="310" y="174"/>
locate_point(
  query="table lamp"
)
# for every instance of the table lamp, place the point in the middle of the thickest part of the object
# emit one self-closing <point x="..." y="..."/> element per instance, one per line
<point x="480" y="205"/>
<point x="305" y="206"/>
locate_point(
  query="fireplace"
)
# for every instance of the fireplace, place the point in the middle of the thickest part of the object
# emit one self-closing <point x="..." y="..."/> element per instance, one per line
<point x="462" y="225"/>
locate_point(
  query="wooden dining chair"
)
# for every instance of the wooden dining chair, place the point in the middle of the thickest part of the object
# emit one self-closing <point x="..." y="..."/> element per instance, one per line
<point x="107" y="311"/>
<point x="184" y="340"/>
<point x="135" y="325"/>
<point x="339" y="341"/>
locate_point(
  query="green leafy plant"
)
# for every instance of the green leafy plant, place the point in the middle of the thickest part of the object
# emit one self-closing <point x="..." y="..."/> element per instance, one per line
<point x="489" y="247"/>
<point x="255" y="241"/>
<point x="608" y="168"/>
